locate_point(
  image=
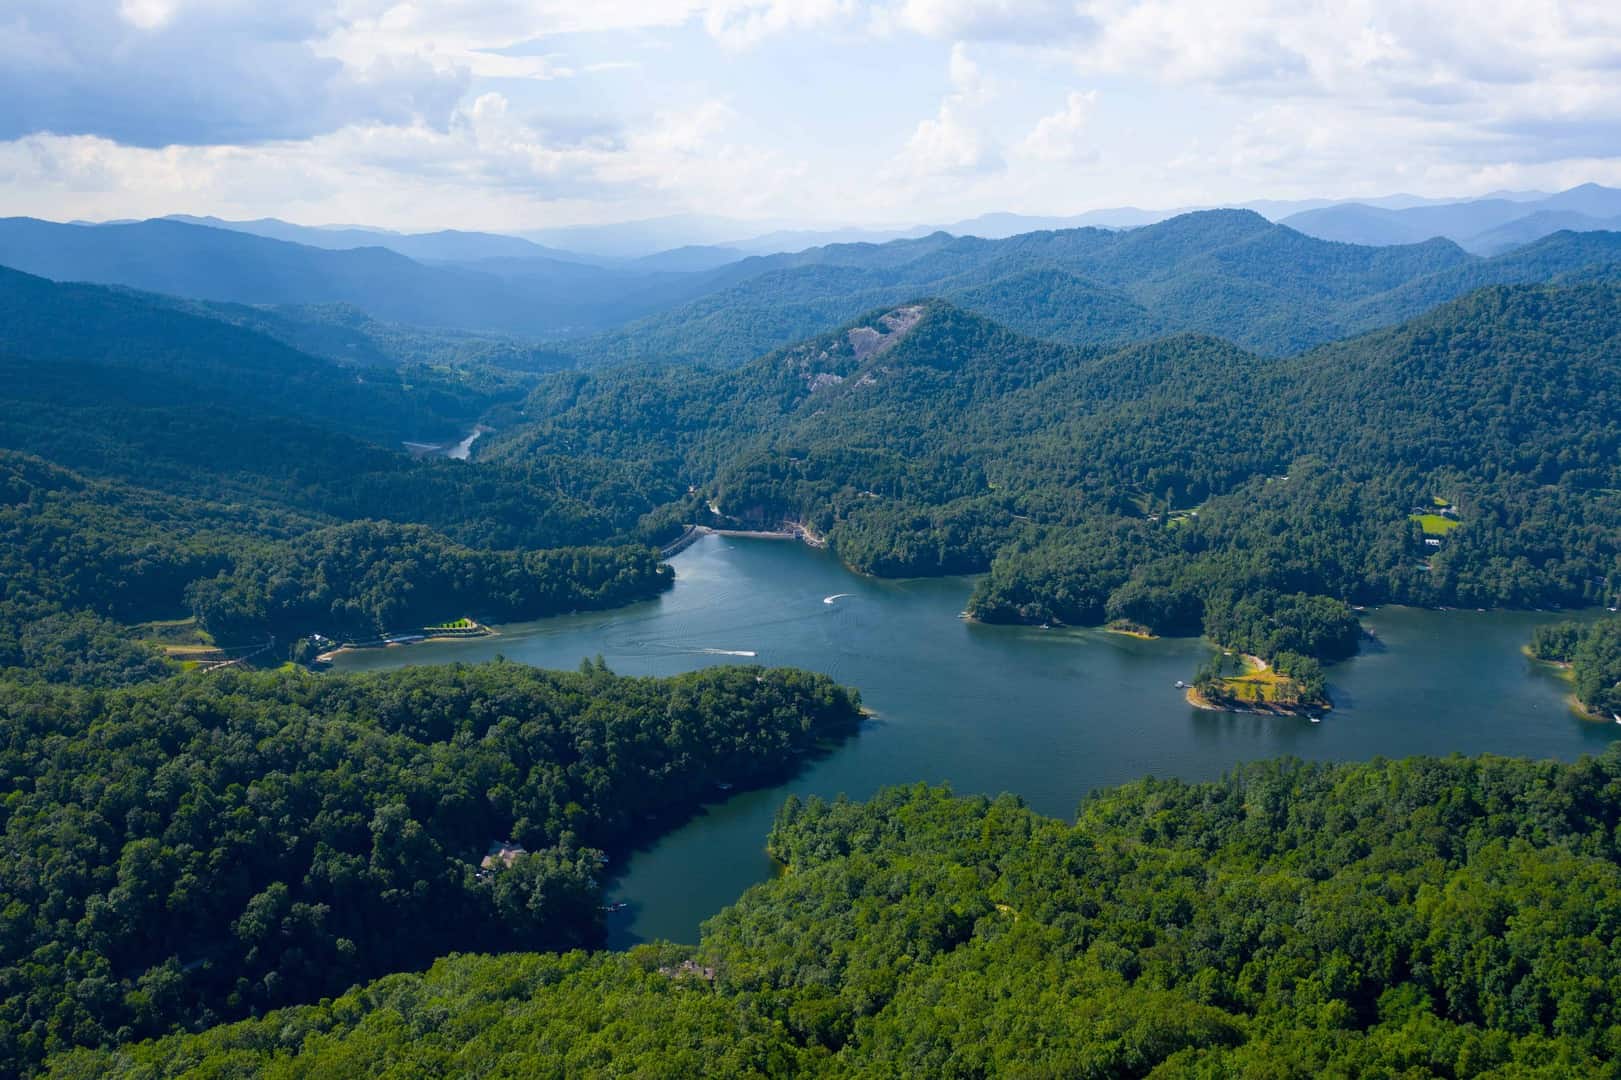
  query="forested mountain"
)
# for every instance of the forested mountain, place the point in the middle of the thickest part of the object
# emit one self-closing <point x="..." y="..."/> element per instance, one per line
<point x="1450" y="918"/>
<point x="128" y="388"/>
<point x="220" y="265"/>
<point x="203" y="451"/>
<point x="928" y="440"/>
<point x="443" y="245"/>
<point x="205" y="848"/>
<point x="1229" y="273"/>
<point x="347" y="335"/>
<point x="1225" y="272"/>
<point x="65" y="344"/>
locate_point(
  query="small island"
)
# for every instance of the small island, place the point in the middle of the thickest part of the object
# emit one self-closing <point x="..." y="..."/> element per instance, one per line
<point x="1291" y="685"/>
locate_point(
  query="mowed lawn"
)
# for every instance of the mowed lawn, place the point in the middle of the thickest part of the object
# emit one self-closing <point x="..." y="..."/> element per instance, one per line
<point x="1436" y="524"/>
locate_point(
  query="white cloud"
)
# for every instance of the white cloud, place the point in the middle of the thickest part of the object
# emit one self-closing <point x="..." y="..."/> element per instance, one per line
<point x="381" y="110"/>
<point x="945" y="145"/>
<point x="966" y="78"/>
<point x="222" y="71"/>
<point x="1062" y="135"/>
<point x="489" y="168"/>
<point x="1030" y="21"/>
<point x="739" y="24"/>
<point x="951" y="143"/>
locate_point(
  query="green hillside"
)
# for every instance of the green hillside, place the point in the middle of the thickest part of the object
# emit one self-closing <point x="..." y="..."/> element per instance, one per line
<point x="1227" y="273"/>
<point x="1148" y="482"/>
<point x="1448" y="918"/>
<point x="209" y="847"/>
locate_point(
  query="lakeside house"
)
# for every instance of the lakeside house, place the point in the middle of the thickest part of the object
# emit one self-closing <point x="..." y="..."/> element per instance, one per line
<point x="502" y="852"/>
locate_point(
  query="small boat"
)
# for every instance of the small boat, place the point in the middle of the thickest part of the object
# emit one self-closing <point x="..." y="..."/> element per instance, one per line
<point x="1315" y="719"/>
<point x="1046" y="626"/>
<point x="1180" y="685"/>
<point x="724" y="785"/>
<point x="617" y="905"/>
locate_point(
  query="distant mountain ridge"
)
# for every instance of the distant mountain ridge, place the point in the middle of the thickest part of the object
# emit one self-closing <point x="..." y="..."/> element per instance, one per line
<point x="444" y="245"/>
<point x="1486" y="226"/>
<point x="548" y="298"/>
<point x="1231" y="273"/>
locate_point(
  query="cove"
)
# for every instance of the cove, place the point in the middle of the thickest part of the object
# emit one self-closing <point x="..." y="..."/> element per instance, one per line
<point x="1046" y="714"/>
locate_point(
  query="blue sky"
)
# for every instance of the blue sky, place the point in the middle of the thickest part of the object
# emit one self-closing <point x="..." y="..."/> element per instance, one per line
<point x="511" y="114"/>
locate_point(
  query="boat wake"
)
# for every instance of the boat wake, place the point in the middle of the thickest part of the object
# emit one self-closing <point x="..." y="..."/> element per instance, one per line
<point x="835" y="596"/>
<point x="730" y="652"/>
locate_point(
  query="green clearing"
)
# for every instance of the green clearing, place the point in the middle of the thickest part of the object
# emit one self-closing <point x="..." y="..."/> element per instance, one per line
<point x="463" y="623"/>
<point x="169" y="632"/>
<point x="1435" y="524"/>
<point x="1261" y="688"/>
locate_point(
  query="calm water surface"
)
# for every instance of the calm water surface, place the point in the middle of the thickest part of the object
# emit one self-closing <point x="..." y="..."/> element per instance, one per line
<point x="1048" y="714"/>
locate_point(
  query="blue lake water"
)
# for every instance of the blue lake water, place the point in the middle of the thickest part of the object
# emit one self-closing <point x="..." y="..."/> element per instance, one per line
<point x="1047" y="714"/>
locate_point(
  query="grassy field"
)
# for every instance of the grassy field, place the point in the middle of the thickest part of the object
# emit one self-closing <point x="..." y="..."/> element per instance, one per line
<point x="1435" y="524"/>
<point x="1260" y="688"/>
<point x="180" y="639"/>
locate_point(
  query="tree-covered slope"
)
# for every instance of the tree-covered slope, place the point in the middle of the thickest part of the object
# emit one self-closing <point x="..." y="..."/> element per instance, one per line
<point x="200" y="448"/>
<point x="359" y="581"/>
<point x="929" y="440"/>
<point x="1227" y="273"/>
<point x="139" y="389"/>
<point x="1592" y="652"/>
<point x="1453" y="918"/>
<point x="61" y="344"/>
<point x="209" y="847"/>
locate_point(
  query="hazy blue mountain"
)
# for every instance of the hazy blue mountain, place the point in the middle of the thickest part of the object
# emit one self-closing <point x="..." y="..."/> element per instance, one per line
<point x="533" y="296"/>
<point x="689" y="258"/>
<point x="1533" y="227"/>
<point x="1484" y="226"/>
<point x="445" y="245"/>
<point x="94" y="347"/>
<point x="1225" y="272"/>
<point x="634" y="239"/>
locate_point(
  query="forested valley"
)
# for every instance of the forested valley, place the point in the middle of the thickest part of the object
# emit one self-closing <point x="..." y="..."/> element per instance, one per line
<point x="1450" y="918"/>
<point x="261" y="870"/>
<point x="1468" y="457"/>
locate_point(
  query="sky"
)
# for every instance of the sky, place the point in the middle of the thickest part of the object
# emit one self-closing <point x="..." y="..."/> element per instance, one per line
<point x="527" y="114"/>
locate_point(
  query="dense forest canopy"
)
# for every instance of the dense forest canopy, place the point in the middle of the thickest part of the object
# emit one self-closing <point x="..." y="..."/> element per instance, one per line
<point x="219" y="470"/>
<point x="1163" y="483"/>
<point x="184" y="849"/>
<point x="204" y="848"/>
<point x="1229" y="273"/>
<point x="1449" y="917"/>
<point x="363" y="580"/>
<point x="1593" y="653"/>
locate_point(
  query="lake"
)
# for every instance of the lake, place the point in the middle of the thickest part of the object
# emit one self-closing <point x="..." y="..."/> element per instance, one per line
<point x="1047" y="714"/>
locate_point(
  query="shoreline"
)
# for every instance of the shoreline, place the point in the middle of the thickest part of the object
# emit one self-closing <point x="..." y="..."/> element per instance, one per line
<point x="396" y="641"/>
<point x="1297" y="712"/>
<point x="790" y="531"/>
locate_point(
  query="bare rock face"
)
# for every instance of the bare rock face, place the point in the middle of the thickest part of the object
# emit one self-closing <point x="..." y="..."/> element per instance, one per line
<point x="867" y="341"/>
<point x="863" y="342"/>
